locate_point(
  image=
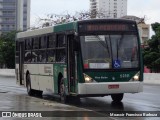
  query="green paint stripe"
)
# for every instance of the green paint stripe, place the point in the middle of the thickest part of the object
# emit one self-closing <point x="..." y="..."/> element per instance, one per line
<point x="65" y="27"/>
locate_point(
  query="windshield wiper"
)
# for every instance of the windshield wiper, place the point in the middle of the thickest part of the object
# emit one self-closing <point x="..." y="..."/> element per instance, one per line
<point x="102" y="43"/>
<point x="118" y="44"/>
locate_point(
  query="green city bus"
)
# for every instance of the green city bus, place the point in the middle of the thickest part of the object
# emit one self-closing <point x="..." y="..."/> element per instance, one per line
<point x="87" y="58"/>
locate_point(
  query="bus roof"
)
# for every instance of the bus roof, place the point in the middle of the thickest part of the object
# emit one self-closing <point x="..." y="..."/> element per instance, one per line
<point x="65" y="27"/>
<point x="35" y="32"/>
<point x="108" y="20"/>
<point x="56" y="28"/>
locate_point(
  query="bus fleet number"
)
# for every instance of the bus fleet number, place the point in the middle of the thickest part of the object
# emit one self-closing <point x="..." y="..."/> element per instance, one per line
<point x="124" y="75"/>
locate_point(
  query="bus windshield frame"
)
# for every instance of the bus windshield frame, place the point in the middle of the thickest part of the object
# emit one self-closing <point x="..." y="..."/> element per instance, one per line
<point x="121" y="51"/>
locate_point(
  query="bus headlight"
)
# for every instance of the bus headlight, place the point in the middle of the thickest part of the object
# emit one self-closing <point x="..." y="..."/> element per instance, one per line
<point x="87" y="78"/>
<point x="136" y="77"/>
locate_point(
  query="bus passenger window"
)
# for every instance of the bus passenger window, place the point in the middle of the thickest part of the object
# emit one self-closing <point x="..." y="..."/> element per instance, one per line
<point x="35" y="43"/>
<point x="51" y="41"/>
<point x="35" y="56"/>
<point x="50" y="55"/>
<point x="42" y="56"/>
<point x="27" y="56"/>
<point x="61" y="55"/>
<point x="61" y="45"/>
<point x="28" y="44"/>
<point x="61" y="41"/>
<point x="43" y="42"/>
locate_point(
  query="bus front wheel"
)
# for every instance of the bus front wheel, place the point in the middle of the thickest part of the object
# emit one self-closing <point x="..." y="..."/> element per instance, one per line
<point x="30" y="91"/>
<point x="117" y="97"/>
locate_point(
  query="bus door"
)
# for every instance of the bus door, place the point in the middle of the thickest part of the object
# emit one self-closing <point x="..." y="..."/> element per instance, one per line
<point x="72" y="64"/>
<point x="21" y="62"/>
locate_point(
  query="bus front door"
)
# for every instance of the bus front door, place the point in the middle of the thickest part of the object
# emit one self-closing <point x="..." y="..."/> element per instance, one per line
<point x="71" y="64"/>
<point x="21" y="62"/>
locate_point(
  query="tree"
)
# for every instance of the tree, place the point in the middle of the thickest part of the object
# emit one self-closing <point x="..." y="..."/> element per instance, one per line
<point x="152" y="52"/>
<point x="54" y="19"/>
<point x="7" y="49"/>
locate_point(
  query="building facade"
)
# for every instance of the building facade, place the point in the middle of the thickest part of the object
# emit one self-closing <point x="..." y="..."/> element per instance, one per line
<point x="144" y="29"/>
<point x="14" y="15"/>
<point x="108" y="8"/>
<point x="26" y="14"/>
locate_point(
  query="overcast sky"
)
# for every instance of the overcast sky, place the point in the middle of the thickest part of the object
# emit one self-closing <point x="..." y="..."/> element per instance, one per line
<point x="140" y="8"/>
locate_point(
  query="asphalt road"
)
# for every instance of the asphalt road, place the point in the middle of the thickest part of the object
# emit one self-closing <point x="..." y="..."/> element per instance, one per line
<point x="15" y="98"/>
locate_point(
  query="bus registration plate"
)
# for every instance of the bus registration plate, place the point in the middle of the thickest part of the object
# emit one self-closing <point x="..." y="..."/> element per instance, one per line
<point x="113" y="86"/>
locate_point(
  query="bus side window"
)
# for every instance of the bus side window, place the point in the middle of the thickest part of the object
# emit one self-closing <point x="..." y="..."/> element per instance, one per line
<point x="42" y="56"/>
<point x="51" y="55"/>
<point x="51" y="48"/>
<point x="35" y="42"/>
<point x="61" y="55"/>
<point x="61" y="41"/>
<point x="43" y="42"/>
<point x="27" y="56"/>
<point x="61" y="48"/>
<point x="51" y="41"/>
<point x="28" y="48"/>
<point x="28" y="44"/>
<point x="42" y="50"/>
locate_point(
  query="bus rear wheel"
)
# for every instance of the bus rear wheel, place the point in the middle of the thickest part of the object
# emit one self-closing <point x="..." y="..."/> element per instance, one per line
<point x="39" y="93"/>
<point x="117" y="97"/>
<point x="30" y="91"/>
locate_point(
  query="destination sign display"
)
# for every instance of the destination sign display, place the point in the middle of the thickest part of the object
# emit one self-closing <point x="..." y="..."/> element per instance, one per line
<point x="106" y="27"/>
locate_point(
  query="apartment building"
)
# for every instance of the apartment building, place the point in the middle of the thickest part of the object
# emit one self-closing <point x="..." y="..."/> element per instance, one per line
<point x="144" y="32"/>
<point x="108" y="8"/>
<point x="14" y="15"/>
<point x="144" y="29"/>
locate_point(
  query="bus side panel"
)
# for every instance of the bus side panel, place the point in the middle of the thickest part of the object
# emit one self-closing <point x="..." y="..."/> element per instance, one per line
<point x="46" y="77"/>
<point x="57" y="69"/>
<point x="33" y="70"/>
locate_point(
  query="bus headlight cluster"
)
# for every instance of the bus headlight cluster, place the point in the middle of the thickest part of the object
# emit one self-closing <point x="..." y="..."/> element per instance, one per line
<point x="87" y="78"/>
<point x="136" y="77"/>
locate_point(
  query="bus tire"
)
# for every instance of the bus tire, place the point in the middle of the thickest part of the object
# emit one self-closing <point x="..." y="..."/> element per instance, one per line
<point x="117" y="97"/>
<point x="75" y="99"/>
<point x="39" y="93"/>
<point x="30" y="91"/>
<point x="63" y="96"/>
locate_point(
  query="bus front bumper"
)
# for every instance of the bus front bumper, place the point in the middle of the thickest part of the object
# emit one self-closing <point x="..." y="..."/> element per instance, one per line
<point x="109" y="88"/>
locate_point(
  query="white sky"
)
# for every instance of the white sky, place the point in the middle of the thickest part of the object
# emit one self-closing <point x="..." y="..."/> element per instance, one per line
<point x="140" y="8"/>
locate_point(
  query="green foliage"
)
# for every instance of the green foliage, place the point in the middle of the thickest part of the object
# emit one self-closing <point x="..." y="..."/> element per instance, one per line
<point x="152" y="53"/>
<point x="7" y="49"/>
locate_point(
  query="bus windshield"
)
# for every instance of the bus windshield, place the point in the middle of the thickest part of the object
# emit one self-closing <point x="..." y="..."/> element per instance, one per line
<point x="110" y="51"/>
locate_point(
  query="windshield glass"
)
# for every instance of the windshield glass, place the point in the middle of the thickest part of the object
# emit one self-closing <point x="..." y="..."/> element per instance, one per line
<point x="109" y="51"/>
